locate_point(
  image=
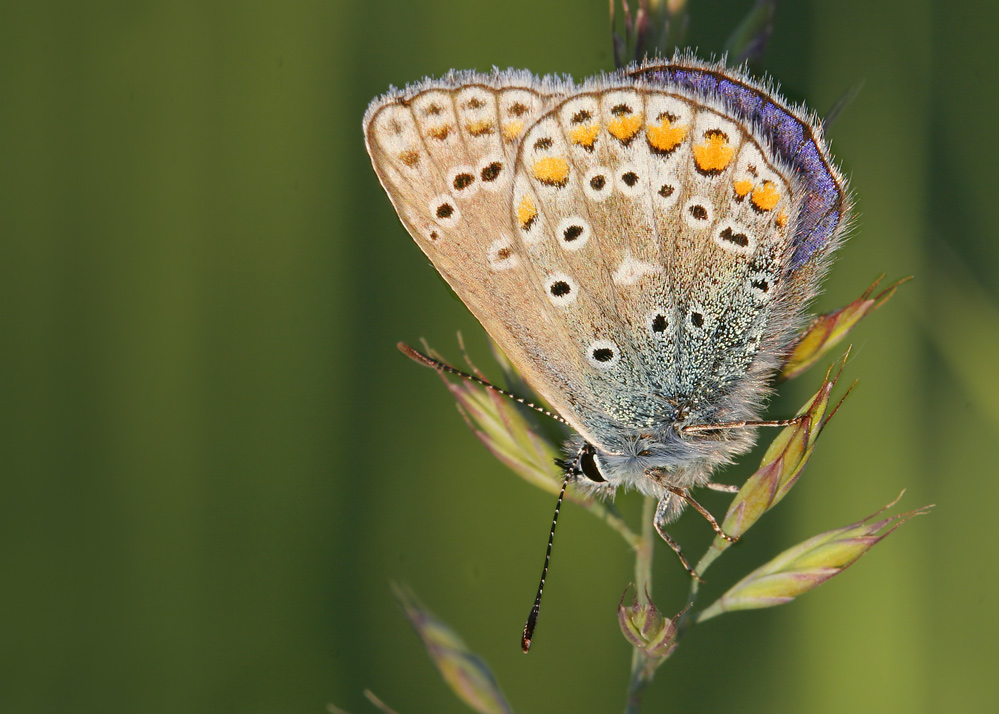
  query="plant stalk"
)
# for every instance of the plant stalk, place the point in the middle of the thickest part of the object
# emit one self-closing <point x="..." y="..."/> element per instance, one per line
<point x="642" y="668"/>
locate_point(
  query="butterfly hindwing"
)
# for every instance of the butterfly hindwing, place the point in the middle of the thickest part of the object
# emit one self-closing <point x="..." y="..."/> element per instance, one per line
<point x="641" y="216"/>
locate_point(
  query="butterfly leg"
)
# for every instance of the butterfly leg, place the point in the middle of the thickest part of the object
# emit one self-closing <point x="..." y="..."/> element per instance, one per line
<point x="664" y="514"/>
<point x="723" y="487"/>
<point x="682" y="493"/>
<point x="692" y="428"/>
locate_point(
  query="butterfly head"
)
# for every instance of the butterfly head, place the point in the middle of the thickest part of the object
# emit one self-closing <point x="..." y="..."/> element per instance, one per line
<point x="653" y="462"/>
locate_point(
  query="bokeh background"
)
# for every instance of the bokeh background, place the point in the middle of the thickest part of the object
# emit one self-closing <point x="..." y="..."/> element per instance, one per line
<point x="214" y="460"/>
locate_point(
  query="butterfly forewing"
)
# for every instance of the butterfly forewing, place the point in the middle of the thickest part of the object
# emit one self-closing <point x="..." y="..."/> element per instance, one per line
<point x="445" y="154"/>
<point x="622" y="243"/>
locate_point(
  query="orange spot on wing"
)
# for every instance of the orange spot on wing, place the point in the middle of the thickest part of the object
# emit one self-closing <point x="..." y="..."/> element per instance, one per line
<point x="715" y="154"/>
<point x="440" y="132"/>
<point x="624" y="128"/>
<point x="512" y="130"/>
<point x="480" y="127"/>
<point x="584" y="135"/>
<point x="552" y="170"/>
<point x="782" y="218"/>
<point x="410" y="157"/>
<point x="766" y="196"/>
<point x="742" y="188"/>
<point x="526" y="212"/>
<point x="665" y="137"/>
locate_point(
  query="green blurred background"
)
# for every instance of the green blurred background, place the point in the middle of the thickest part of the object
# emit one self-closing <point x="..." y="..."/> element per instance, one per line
<point x="215" y="461"/>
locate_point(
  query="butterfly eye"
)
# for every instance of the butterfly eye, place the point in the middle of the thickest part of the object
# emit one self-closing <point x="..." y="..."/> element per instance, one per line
<point x="590" y="467"/>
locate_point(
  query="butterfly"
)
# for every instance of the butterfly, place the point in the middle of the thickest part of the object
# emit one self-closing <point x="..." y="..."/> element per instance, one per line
<point x="642" y="246"/>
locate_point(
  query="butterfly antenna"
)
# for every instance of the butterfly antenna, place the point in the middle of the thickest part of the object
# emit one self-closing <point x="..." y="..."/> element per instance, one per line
<point x="532" y="619"/>
<point x="436" y="364"/>
<point x="845" y="99"/>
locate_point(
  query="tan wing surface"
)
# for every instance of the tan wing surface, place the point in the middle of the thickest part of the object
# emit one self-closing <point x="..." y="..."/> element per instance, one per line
<point x="445" y="155"/>
<point x="579" y="225"/>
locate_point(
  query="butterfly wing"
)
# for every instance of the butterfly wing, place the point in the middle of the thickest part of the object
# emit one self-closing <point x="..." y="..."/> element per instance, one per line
<point x="631" y="253"/>
<point x="663" y="225"/>
<point x="445" y="153"/>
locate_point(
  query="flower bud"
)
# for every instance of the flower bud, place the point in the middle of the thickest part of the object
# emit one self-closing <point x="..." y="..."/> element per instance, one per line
<point x="527" y="446"/>
<point x="647" y="630"/>
<point x="779" y="470"/>
<point x="463" y="671"/>
<point x="808" y="564"/>
<point x="827" y="330"/>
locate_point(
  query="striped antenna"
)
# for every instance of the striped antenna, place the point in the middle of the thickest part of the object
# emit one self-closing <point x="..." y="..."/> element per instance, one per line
<point x="436" y="364"/>
<point x="571" y="469"/>
<point x="532" y="619"/>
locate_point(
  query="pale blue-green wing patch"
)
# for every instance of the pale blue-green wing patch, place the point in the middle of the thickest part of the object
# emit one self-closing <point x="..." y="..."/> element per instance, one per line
<point x="632" y="260"/>
<point x="729" y="240"/>
<point x="639" y="270"/>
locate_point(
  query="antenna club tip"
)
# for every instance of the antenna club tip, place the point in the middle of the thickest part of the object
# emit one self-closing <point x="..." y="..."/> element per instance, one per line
<point x="532" y="621"/>
<point x="417" y="356"/>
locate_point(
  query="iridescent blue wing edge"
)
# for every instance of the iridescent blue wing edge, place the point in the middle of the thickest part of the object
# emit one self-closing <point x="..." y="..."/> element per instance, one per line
<point x="794" y="134"/>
